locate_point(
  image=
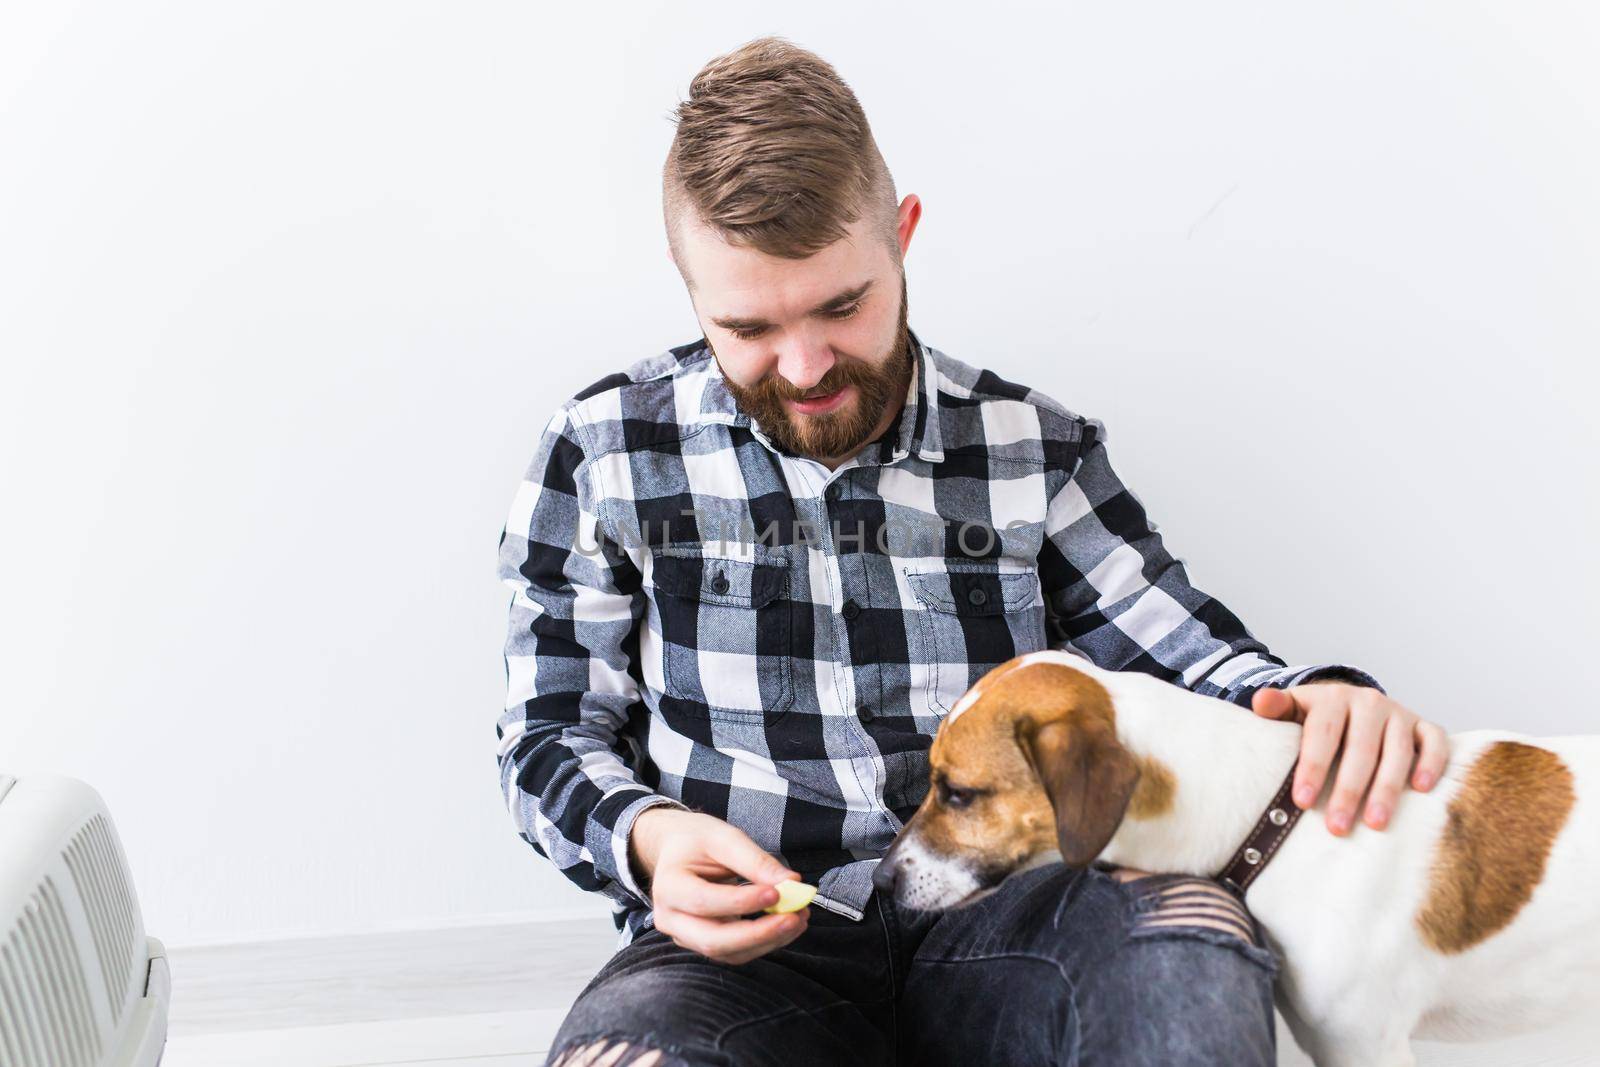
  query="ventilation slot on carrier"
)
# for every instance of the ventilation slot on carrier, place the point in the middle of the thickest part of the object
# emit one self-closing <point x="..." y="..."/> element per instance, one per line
<point x="96" y="864"/>
<point x="45" y="1013"/>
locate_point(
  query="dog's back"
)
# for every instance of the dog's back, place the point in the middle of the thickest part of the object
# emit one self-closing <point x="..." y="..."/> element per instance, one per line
<point x="1513" y="910"/>
<point x="1473" y="915"/>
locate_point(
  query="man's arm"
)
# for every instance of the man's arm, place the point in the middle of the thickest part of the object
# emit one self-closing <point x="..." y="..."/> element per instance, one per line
<point x="575" y="603"/>
<point x="1119" y="597"/>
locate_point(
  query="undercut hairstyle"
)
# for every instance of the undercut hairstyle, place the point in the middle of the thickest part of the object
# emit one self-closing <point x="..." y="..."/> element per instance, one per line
<point x="773" y="152"/>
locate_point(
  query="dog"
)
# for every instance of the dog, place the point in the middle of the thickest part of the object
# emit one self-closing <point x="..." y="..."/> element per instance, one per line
<point x="1475" y="914"/>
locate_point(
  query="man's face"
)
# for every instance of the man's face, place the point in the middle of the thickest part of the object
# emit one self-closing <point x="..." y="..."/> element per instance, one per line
<point x="816" y="350"/>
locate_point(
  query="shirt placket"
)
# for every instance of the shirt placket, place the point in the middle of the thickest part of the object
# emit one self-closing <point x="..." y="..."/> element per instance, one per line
<point x="851" y="677"/>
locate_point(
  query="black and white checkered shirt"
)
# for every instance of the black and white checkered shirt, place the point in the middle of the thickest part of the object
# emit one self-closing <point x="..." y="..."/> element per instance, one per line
<point x="705" y="620"/>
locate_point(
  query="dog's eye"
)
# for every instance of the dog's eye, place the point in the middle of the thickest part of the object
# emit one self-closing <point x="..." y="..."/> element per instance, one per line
<point x="957" y="798"/>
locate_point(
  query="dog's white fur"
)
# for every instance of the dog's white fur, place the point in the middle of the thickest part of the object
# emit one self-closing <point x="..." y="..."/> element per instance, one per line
<point x="1358" y="981"/>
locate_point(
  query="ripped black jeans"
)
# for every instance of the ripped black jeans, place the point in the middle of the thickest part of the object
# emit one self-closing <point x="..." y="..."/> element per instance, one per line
<point x="1057" y="967"/>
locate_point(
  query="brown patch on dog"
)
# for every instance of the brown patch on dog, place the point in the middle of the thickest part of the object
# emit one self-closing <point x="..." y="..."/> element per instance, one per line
<point x="1493" y="851"/>
<point x="1153" y="796"/>
<point x="1048" y="724"/>
<point x="976" y="692"/>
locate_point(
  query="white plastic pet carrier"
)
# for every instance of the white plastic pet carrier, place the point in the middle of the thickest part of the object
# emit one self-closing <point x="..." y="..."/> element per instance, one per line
<point x="80" y="983"/>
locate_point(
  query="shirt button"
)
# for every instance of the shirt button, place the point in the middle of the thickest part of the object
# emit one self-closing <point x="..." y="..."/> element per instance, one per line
<point x="865" y="713"/>
<point x="977" y="597"/>
<point x="851" y="609"/>
<point x="719" y="584"/>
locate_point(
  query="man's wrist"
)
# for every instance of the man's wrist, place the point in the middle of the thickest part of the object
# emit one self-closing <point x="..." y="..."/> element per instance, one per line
<point x="642" y="844"/>
<point x="641" y="877"/>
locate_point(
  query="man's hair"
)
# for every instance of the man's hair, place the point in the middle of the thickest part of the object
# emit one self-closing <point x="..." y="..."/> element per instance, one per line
<point x="773" y="152"/>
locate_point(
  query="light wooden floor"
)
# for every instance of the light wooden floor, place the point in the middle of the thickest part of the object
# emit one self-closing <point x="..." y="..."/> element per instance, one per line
<point x="484" y="995"/>
<point x="490" y="996"/>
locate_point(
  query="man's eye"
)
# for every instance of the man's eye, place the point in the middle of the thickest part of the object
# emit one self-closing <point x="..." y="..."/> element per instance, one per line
<point x="752" y="334"/>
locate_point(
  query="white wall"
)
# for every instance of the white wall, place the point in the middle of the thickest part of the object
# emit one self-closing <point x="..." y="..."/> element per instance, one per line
<point x="287" y="290"/>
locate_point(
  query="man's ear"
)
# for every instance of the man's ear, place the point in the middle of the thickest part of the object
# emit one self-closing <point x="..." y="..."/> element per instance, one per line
<point x="1089" y="778"/>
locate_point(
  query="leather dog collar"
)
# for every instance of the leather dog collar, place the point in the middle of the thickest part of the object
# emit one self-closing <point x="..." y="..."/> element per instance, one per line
<point x="1264" y="841"/>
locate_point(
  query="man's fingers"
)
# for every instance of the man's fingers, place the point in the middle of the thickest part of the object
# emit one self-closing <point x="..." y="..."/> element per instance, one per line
<point x="1362" y="741"/>
<point x="1319" y="741"/>
<point x="778" y="942"/>
<point x="733" y="849"/>
<point x="1378" y="744"/>
<point x="736" y="940"/>
<point x="684" y="890"/>
<point x="1399" y="750"/>
<point x="1433" y="757"/>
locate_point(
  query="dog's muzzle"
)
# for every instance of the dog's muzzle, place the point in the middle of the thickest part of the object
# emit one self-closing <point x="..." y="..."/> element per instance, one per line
<point x="913" y="877"/>
<point x="888" y="871"/>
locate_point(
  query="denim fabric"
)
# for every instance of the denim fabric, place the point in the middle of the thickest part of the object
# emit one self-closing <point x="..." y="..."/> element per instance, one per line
<point x="1055" y="967"/>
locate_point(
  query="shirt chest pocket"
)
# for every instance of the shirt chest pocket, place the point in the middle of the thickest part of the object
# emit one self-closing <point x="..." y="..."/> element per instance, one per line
<point x="724" y="643"/>
<point x="973" y="617"/>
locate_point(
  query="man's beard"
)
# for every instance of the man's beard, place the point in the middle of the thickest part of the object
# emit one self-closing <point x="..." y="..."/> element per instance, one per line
<point x="833" y="433"/>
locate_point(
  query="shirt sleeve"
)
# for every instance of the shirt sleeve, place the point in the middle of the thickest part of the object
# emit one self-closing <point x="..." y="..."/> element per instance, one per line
<point x="567" y="762"/>
<point x="1116" y="595"/>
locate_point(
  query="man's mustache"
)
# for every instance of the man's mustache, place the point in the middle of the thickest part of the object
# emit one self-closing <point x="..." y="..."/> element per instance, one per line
<point x="839" y="375"/>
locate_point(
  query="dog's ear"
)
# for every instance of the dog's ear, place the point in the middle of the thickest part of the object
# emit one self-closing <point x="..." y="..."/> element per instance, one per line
<point x="1088" y="776"/>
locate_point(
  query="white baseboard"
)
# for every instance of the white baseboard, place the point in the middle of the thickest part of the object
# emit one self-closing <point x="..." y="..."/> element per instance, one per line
<point x="579" y="914"/>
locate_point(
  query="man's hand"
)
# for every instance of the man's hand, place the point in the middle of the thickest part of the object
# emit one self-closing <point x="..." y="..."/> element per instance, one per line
<point x="1378" y="734"/>
<point x="690" y="859"/>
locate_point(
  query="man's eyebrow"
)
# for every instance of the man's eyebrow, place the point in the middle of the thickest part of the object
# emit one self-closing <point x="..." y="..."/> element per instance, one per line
<point x="848" y="296"/>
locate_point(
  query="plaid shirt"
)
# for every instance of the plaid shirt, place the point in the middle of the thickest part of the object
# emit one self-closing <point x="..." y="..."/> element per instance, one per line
<point x="704" y="620"/>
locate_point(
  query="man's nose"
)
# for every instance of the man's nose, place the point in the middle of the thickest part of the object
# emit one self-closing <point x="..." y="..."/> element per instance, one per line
<point x="804" y="362"/>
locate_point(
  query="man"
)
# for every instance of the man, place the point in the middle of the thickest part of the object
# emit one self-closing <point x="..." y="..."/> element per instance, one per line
<point x="752" y="573"/>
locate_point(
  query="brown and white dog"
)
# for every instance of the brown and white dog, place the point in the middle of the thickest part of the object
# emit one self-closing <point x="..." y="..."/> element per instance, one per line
<point x="1474" y="915"/>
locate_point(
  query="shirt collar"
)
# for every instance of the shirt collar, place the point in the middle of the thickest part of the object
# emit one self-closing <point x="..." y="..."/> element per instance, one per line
<point x="921" y="412"/>
<point x="916" y="427"/>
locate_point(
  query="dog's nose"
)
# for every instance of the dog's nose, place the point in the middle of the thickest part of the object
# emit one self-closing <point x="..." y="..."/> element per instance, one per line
<point x="884" y="875"/>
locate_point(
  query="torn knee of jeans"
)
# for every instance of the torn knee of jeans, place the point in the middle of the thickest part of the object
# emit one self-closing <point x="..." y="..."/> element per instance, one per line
<point x="610" y="1052"/>
<point x="1192" y="902"/>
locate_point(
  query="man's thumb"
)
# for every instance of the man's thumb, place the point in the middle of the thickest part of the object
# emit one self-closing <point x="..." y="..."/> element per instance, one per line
<point x="1271" y="703"/>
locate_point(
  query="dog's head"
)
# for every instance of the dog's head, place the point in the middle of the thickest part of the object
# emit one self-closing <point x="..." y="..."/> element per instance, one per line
<point x="1027" y="764"/>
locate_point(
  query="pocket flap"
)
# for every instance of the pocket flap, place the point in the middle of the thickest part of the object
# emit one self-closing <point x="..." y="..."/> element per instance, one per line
<point x="716" y="580"/>
<point x="974" y="591"/>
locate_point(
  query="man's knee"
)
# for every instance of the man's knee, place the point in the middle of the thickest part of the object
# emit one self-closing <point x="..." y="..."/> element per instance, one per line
<point x="1191" y="983"/>
<point x="641" y="1014"/>
<point x="608" y="1052"/>
<point x="1185" y="902"/>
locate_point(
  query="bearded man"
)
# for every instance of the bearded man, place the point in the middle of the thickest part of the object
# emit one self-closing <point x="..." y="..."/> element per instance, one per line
<point x="753" y="573"/>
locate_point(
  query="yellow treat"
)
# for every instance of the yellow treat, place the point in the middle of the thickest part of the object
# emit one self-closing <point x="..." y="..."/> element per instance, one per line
<point x="792" y="896"/>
